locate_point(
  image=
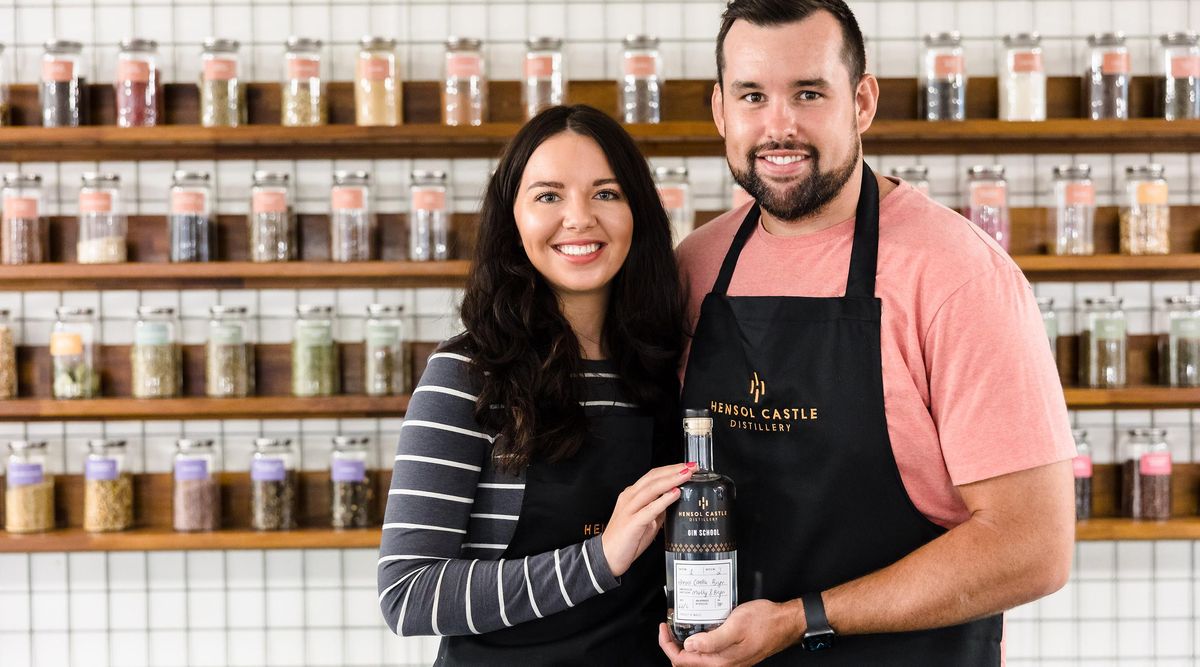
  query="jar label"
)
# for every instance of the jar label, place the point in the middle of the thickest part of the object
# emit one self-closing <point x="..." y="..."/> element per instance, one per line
<point x="133" y="71"/>
<point x="1082" y="465"/>
<point x="267" y="470"/>
<point x="374" y="69"/>
<point x="1185" y="327"/>
<point x="1081" y="194"/>
<point x="1185" y="67"/>
<point x="703" y="590"/>
<point x="191" y="470"/>
<point x="428" y="199"/>
<point x="1027" y="62"/>
<point x="58" y="71"/>
<point x="382" y="335"/>
<point x="1115" y="62"/>
<point x="463" y="65"/>
<point x="312" y="334"/>
<point x="20" y="208"/>
<point x="345" y="198"/>
<point x="66" y="344"/>
<point x="1110" y="329"/>
<point x="1155" y="463"/>
<point x="187" y="203"/>
<point x="269" y="202"/>
<point x="641" y="66"/>
<point x="220" y="69"/>
<point x="1152" y="194"/>
<point x="100" y="470"/>
<point x="539" y="67"/>
<point x="95" y="202"/>
<point x="946" y="65"/>
<point x="348" y="471"/>
<point x="23" y="474"/>
<point x="152" y="333"/>
<point x="992" y="195"/>
<point x="673" y="197"/>
<point x="304" y="68"/>
<point x="226" y="334"/>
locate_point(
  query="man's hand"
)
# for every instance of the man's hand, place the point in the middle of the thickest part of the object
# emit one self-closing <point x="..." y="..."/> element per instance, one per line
<point x="754" y="631"/>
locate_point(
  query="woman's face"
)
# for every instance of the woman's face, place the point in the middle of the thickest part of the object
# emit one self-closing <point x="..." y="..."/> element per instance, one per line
<point x="575" y="224"/>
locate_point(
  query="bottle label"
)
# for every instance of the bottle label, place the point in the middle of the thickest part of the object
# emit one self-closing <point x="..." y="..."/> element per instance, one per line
<point x="304" y="68"/>
<point x="993" y="195"/>
<point x="152" y="333"/>
<point x="382" y="335"/>
<point x="348" y="471"/>
<point x="187" y="203"/>
<point x="269" y="202"/>
<point x="100" y="470"/>
<point x="428" y="199"/>
<point x="1080" y="194"/>
<point x="703" y="590"/>
<point x="313" y="334"/>
<point x="1115" y="62"/>
<point x="1155" y="463"/>
<point x="462" y="66"/>
<point x="191" y="470"/>
<point x="374" y="69"/>
<point x="267" y="470"/>
<point x="226" y="334"/>
<point x="1185" y="327"/>
<point x="1027" y="62"/>
<point x="641" y="66"/>
<point x="1110" y="329"/>
<point x="539" y="67"/>
<point x="58" y="71"/>
<point x="16" y="208"/>
<point x="673" y="197"/>
<point x="1152" y="194"/>
<point x="701" y="521"/>
<point x="1082" y="466"/>
<point x="220" y="69"/>
<point x="348" y="198"/>
<point x="95" y="202"/>
<point x="947" y="65"/>
<point x="133" y="71"/>
<point x="23" y="474"/>
<point x="66" y="344"/>
<point x="1185" y="67"/>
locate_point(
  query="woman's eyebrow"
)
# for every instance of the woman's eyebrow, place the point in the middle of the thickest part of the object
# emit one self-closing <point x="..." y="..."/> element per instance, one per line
<point x="560" y="186"/>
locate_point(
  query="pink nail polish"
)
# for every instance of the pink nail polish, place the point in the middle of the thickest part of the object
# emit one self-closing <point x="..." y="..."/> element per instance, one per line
<point x="692" y="464"/>
<point x="684" y="471"/>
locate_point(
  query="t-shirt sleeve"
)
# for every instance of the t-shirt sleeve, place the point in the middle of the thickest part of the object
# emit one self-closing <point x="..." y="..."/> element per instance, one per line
<point x="995" y="394"/>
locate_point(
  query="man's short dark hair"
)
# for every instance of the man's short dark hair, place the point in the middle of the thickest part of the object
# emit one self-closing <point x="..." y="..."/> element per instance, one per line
<point x="779" y="12"/>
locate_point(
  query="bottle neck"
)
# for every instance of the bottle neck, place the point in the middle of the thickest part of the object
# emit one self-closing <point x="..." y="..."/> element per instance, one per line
<point x="700" y="449"/>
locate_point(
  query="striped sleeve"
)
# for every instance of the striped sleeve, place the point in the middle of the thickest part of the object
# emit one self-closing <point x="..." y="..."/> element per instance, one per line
<point x="443" y="486"/>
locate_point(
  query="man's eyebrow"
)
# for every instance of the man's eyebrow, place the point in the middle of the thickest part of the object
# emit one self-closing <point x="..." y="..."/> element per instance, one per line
<point x="818" y="82"/>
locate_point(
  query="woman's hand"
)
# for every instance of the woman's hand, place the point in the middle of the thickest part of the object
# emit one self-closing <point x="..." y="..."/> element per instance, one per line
<point x="639" y="514"/>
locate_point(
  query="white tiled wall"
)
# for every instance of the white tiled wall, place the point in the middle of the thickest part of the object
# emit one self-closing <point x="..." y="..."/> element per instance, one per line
<point x="1132" y="603"/>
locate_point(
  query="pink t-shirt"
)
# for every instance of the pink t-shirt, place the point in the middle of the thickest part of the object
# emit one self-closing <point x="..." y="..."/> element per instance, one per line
<point x="969" y="384"/>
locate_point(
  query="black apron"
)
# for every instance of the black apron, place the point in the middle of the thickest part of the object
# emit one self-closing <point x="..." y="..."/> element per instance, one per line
<point x="795" y="385"/>
<point x="619" y="627"/>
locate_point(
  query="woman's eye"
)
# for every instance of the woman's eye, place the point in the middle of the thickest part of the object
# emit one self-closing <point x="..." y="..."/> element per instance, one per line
<point x="547" y="197"/>
<point x="608" y="195"/>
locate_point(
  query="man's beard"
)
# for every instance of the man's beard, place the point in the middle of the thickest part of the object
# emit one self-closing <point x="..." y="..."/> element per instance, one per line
<point x="804" y="198"/>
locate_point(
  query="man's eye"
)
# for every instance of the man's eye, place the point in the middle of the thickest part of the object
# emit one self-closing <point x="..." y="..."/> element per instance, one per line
<point x="754" y="97"/>
<point x="810" y="96"/>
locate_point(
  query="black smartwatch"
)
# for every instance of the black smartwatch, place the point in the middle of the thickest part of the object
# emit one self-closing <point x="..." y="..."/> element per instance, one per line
<point x="818" y="636"/>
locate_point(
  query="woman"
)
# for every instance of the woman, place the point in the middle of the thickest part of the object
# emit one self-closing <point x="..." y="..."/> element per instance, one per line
<point x="510" y="529"/>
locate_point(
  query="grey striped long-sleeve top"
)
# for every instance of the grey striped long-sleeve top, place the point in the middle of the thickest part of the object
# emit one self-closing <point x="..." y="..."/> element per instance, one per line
<point x="450" y="515"/>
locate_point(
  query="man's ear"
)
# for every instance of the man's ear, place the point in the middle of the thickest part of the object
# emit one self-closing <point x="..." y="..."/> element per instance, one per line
<point x="718" y="109"/>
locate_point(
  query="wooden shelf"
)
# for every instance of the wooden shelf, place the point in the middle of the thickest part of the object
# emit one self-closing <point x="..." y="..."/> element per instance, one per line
<point x="161" y="539"/>
<point x="1109" y="267"/>
<point x="257" y="407"/>
<point x="1144" y="398"/>
<point x="1127" y="529"/>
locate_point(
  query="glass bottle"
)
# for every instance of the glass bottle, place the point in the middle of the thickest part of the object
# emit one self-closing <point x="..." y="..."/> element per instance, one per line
<point x="73" y="353"/>
<point x="303" y="96"/>
<point x="385" y="364"/>
<point x="1103" y="344"/>
<point x="1146" y="214"/>
<point x="544" y="82"/>
<point x="1075" y="210"/>
<point x="229" y="354"/>
<point x="352" y="222"/>
<point x="273" y="485"/>
<point x="8" y="356"/>
<point x="28" y="489"/>
<point x="641" y="85"/>
<point x="988" y="206"/>
<point x="676" y="196"/>
<point x="701" y="542"/>
<point x="63" y="85"/>
<point x="376" y="83"/>
<point x="155" y="355"/>
<point x="429" y="219"/>
<point x="1106" y="83"/>
<point x="192" y="225"/>
<point x="916" y="175"/>
<point x="272" y="230"/>
<point x="108" y="488"/>
<point x="197" y="494"/>
<point x="222" y="99"/>
<point x="1082" y="466"/>
<point x="464" y="89"/>
<point x="943" y="78"/>
<point x="5" y="114"/>
<point x="1023" y="83"/>
<point x="350" y="492"/>
<point x="1181" y="75"/>
<point x="1179" y="344"/>
<point x="138" y="84"/>
<point x="1049" y="322"/>
<point x="102" y="223"/>
<point x="314" y="353"/>
<point x="1146" y="475"/>
<point x="24" y="230"/>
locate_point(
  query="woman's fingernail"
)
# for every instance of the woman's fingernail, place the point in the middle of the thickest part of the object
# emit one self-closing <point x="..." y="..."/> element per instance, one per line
<point x="686" y="470"/>
<point x="691" y="464"/>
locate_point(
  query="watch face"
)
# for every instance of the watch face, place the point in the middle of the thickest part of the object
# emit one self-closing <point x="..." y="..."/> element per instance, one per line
<point x="819" y="641"/>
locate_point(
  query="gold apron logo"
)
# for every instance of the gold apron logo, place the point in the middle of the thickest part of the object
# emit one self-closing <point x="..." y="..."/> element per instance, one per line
<point x="765" y="420"/>
<point x="757" y="388"/>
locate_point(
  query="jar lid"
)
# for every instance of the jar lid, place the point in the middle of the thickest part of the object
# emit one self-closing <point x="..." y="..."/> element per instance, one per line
<point x="986" y="171"/>
<point x="371" y="43"/>
<point x="152" y="311"/>
<point x="1145" y="171"/>
<point x="96" y="178"/>
<point x="1073" y="171"/>
<point x="428" y="175"/>
<point x="640" y="42"/>
<point x="1111" y="301"/>
<point x="455" y="43"/>
<point x="314" y="309"/>
<point x="69" y="311"/>
<point x="1183" y="300"/>
<point x="295" y="43"/>
<point x="138" y="44"/>
<point x="1188" y="38"/>
<point x="184" y="175"/>
<point x="65" y="46"/>
<point x="104" y="444"/>
<point x="670" y="172"/>
<point x="227" y="310"/>
<point x="1155" y="433"/>
<point x="23" y="445"/>
<point x="219" y="45"/>
<point x="1023" y="40"/>
<point x="22" y="179"/>
<point x="271" y="443"/>
<point x="343" y="176"/>
<point x="183" y="444"/>
<point x="952" y="38"/>
<point x="262" y="177"/>
<point x="1045" y="302"/>
<point x="912" y="172"/>
<point x="1106" y="39"/>
<point x="350" y="442"/>
<point x="376" y="309"/>
<point x="543" y="43"/>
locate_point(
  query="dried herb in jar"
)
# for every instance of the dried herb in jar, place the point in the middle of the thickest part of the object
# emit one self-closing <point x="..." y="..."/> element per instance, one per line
<point x="155" y="371"/>
<point x="196" y="504"/>
<point x="273" y="497"/>
<point x="108" y="504"/>
<point x="8" y="364"/>
<point x="350" y="495"/>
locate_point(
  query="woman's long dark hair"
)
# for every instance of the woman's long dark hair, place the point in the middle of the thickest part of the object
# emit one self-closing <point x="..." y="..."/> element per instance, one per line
<point x="526" y="356"/>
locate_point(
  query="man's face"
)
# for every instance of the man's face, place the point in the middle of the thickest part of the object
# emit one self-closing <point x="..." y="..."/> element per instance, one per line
<point x="790" y="117"/>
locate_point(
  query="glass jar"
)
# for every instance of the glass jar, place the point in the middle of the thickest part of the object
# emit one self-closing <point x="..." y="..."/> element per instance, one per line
<point x="1146" y="215"/>
<point x="350" y="483"/>
<point x="1082" y="466"/>
<point x="222" y="97"/>
<point x="108" y="488"/>
<point x="1103" y="343"/>
<point x="352" y="222"/>
<point x="1146" y="475"/>
<point x="314" y="353"/>
<point x="1023" y="79"/>
<point x="138" y="83"/>
<point x="1181" y="75"/>
<point x="739" y="197"/>
<point x="988" y="206"/>
<point x="429" y="219"/>
<point x="376" y="84"/>
<point x="229" y="354"/>
<point x="273" y="485"/>
<point x="1179" y="342"/>
<point x="8" y="356"/>
<point x="155" y="354"/>
<point x="943" y="78"/>
<point x="24" y="230"/>
<point x="1106" y="84"/>
<point x="63" y="85"/>
<point x="1049" y="322"/>
<point x="73" y="353"/>
<point x="272" y="230"/>
<point x="641" y="84"/>
<point x="5" y="114"/>
<point x="916" y="175"/>
<point x="197" y="494"/>
<point x="303" y="95"/>
<point x="385" y="363"/>
<point x="676" y="196"/>
<point x="102" y="224"/>
<point x="1075" y="210"/>
<point x="193" y="229"/>
<point x="28" y="489"/>
<point x="464" y="89"/>
<point x="544" y="82"/>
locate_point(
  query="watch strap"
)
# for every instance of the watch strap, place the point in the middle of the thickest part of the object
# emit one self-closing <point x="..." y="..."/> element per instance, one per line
<point x="818" y="634"/>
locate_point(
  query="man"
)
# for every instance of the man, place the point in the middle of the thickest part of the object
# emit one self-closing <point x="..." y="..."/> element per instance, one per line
<point x="878" y="376"/>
